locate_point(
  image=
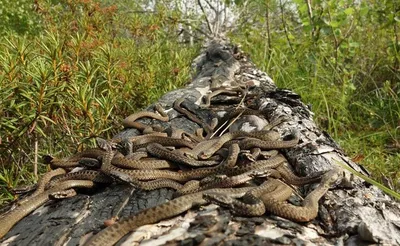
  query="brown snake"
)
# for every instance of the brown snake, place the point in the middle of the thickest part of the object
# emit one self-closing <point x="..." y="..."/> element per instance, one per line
<point x="145" y="174"/>
<point x="130" y="121"/>
<point x="272" y="196"/>
<point x="207" y="128"/>
<point x="159" y="151"/>
<point x="91" y="175"/>
<point x="123" y="162"/>
<point x="112" y="234"/>
<point x="12" y="217"/>
<point x="166" y="141"/>
<point x="249" y="143"/>
<point x="230" y="91"/>
<point x="42" y="183"/>
<point x="260" y="135"/>
<point x="195" y="185"/>
<point x="73" y="161"/>
<point x="199" y="180"/>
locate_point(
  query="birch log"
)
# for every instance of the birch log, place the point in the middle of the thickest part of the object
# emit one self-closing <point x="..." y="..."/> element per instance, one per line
<point x="354" y="213"/>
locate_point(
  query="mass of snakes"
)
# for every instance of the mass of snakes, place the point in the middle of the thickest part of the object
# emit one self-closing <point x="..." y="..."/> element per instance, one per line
<point x="243" y="171"/>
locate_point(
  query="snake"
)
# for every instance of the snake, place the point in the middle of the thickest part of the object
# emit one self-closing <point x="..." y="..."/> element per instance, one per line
<point x="117" y="140"/>
<point x="309" y="209"/>
<point x="293" y="179"/>
<point x="92" y="175"/>
<point x="200" y="147"/>
<point x="217" y="178"/>
<point x="166" y="141"/>
<point x="63" y="194"/>
<point x="231" y="91"/>
<point x="271" y="163"/>
<point x="272" y="195"/>
<point x="128" y="147"/>
<point x="198" y="173"/>
<point x="112" y="234"/>
<point x="41" y="185"/>
<point x="130" y="121"/>
<point x="12" y="217"/>
<point x="73" y="161"/>
<point x="137" y="155"/>
<point x="148" y="174"/>
<point x="160" y="151"/>
<point x="147" y="163"/>
<point x="192" y="186"/>
<point x="207" y="128"/>
<point x="249" y="143"/>
<point x="221" y="182"/>
<point x="262" y="135"/>
<point x="179" y="133"/>
<point x="148" y="185"/>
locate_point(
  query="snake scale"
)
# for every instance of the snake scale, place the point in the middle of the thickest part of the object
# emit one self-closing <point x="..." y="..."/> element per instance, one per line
<point x="201" y="170"/>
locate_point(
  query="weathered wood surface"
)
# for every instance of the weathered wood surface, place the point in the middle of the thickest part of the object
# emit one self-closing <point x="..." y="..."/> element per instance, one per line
<point x="356" y="215"/>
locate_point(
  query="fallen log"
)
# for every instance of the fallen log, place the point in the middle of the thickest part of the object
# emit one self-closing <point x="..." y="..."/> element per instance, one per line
<point x="353" y="213"/>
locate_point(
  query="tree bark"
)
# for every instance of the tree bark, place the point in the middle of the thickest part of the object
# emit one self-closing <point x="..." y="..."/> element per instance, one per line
<point x="353" y="215"/>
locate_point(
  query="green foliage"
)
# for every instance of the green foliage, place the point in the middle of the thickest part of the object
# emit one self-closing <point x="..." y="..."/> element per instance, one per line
<point x="91" y="66"/>
<point x="18" y="16"/>
<point x="343" y="58"/>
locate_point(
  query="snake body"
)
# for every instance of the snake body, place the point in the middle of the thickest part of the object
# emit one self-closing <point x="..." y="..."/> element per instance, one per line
<point x="11" y="218"/>
<point x="159" y="151"/>
<point x="208" y="172"/>
<point x="272" y="196"/>
<point x="309" y="209"/>
<point x="112" y="234"/>
<point x="73" y="161"/>
<point x="177" y="106"/>
<point x="149" y="174"/>
<point x="130" y="121"/>
<point x="92" y="175"/>
<point x="250" y="204"/>
<point x="232" y="91"/>
<point x="123" y="162"/>
<point x="199" y="148"/>
<point x="257" y="143"/>
<point x="260" y="135"/>
<point x="41" y="185"/>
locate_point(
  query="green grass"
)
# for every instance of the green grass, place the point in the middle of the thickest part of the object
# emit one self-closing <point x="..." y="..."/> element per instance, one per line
<point x="70" y="83"/>
<point x="353" y="87"/>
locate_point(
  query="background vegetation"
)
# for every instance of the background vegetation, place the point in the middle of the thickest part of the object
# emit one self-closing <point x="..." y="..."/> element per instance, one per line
<point x="70" y="70"/>
<point x="343" y="58"/>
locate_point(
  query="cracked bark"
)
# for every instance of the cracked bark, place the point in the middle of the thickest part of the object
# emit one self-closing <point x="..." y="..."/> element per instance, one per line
<point x="352" y="216"/>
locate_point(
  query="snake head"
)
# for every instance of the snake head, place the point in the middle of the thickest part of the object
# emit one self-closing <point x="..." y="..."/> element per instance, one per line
<point x="294" y="134"/>
<point x="202" y="155"/>
<point x="47" y="159"/>
<point x="330" y="177"/>
<point x="63" y="194"/>
<point x="190" y="155"/>
<point x="89" y="162"/>
<point x="104" y="144"/>
<point x="125" y="147"/>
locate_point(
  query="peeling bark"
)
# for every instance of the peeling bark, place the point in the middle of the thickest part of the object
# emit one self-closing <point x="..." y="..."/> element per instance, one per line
<point x="355" y="215"/>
